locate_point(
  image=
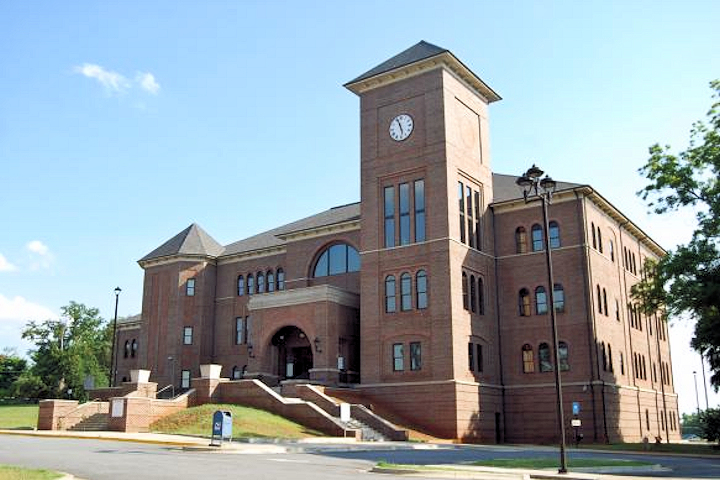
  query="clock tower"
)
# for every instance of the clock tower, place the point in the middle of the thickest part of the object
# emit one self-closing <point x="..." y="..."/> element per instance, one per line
<point x="428" y="325"/>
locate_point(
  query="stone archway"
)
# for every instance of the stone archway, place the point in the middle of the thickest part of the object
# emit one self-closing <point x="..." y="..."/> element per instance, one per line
<point x="294" y="353"/>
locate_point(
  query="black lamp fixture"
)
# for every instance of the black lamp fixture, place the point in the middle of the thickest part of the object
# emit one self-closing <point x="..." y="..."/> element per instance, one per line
<point x="317" y="345"/>
<point x="534" y="185"/>
<point x="111" y="377"/>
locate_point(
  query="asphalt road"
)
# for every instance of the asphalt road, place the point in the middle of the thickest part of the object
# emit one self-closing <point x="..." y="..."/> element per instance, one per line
<point x="102" y="459"/>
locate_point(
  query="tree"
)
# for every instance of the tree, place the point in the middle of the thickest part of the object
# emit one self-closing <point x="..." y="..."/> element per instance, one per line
<point x="67" y="352"/>
<point x="710" y="425"/>
<point x="687" y="280"/>
<point x="11" y="367"/>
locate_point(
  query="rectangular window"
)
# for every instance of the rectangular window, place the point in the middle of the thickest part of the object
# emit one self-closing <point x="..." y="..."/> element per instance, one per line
<point x="478" y="230"/>
<point x="248" y="330"/>
<point x="398" y="360"/>
<point x="471" y="357"/>
<point x="190" y="287"/>
<point x="479" y="351"/>
<point x="404" y="213"/>
<point x="239" y="331"/>
<point x="185" y="379"/>
<point x="188" y="336"/>
<point x="461" y="209"/>
<point x="420" y="210"/>
<point x="389" y="210"/>
<point x="469" y="202"/>
<point x="415" y="356"/>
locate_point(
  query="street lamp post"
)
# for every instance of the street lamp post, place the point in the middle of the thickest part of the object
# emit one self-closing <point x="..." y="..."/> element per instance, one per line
<point x="697" y="397"/>
<point x="702" y="365"/>
<point x="111" y="377"/>
<point x="534" y="186"/>
<point x="171" y="359"/>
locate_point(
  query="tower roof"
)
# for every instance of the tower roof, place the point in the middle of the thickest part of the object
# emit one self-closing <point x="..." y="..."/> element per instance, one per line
<point x="421" y="57"/>
<point x="191" y="241"/>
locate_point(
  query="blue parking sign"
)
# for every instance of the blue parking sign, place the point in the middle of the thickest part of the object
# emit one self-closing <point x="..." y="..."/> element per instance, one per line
<point x="576" y="408"/>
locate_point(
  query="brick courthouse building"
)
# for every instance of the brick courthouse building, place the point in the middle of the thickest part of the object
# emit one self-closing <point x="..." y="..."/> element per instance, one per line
<point x="429" y="298"/>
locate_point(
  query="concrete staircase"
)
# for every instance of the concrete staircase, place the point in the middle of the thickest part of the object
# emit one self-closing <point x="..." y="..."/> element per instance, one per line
<point x="97" y="422"/>
<point x="368" y="434"/>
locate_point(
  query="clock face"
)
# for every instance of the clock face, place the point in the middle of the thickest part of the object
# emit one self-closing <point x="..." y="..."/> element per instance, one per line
<point x="401" y="127"/>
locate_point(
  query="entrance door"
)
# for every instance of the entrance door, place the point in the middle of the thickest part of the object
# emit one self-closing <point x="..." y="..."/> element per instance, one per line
<point x="294" y="353"/>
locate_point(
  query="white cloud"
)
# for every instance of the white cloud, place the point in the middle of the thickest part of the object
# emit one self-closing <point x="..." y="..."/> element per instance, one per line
<point x="147" y="82"/>
<point x="112" y="81"/>
<point x="40" y="255"/>
<point x="36" y="246"/>
<point x="5" y="265"/>
<point x="14" y="315"/>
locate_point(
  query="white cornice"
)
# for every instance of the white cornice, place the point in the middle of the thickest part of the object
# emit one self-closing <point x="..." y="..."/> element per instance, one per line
<point x="257" y="253"/>
<point x="348" y="226"/>
<point x="156" y="262"/>
<point x="300" y="296"/>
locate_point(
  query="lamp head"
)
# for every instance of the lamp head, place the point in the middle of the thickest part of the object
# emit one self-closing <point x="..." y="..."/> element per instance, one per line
<point x="534" y="172"/>
<point x="524" y="181"/>
<point x="548" y="183"/>
<point x="118" y="290"/>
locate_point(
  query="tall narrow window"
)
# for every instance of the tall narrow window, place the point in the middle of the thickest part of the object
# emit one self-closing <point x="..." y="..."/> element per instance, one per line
<point x="554" y="234"/>
<point x="250" y="285"/>
<point x="461" y="208"/>
<point x="559" y="297"/>
<point x="421" y="288"/>
<point x="420" y="210"/>
<point x="466" y="303"/>
<point x="524" y="303"/>
<point x="468" y="202"/>
<point x="187" y="336"/>
<point x="604" y="356"/>
<point x="537" y="238"/>
<point x="240" y="286"/>
<point x="133" y="348"/>
<point x="594" y="238"/>
<point x="563" y="356"/>
<point x="545" y="358"/>
<point x="528" y="359"/>
<point x="471" y="357"/>
<point x="404" y="214"/>
<point x="481" y="296"/>
<point x="605" y="308"/>
<point x="248" y="330"/>
<point x="190" y="287"/>
<point x="127" y="349"/>
<point x="260" y="282"/>
<point x="185" y="379"/>
<point x="389" y="209"/>
<point x="280" y="279"/>
<point x="270" y="276"/>
<point x="415" y="356"/>
<point x="520" y="240"/>
<point x="239" y="330"/>
<point x="398" y="357"/>
<point x="622" y="364"/>
<point x="612" y="250"/>
<point x="599" y="240"/>
<point x="541" y="303"/>
<point x="478" y="229"/>
<point x="479" y="350"/>
<point x="599" y="299"/>
<point x="610" y="360"/>
<point x="405" y="292"/>
<point x="473" y="294"/>
<point x="390" y="294"/>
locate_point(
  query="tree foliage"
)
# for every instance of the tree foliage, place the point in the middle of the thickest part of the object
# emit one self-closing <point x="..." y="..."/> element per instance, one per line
<point x="710" y="425"/>
<point x="66" y="352"/>
<point x="11" y="367"/>
<point x="687" y="280"/>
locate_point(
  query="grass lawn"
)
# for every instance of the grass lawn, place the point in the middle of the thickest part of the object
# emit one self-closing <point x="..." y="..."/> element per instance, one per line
<point x="247" y="423"/>
<point x="686" y="448"/>
<point x="554" y="462"/>
<point x="10" y="472"/>
<point x="20" y="417"/>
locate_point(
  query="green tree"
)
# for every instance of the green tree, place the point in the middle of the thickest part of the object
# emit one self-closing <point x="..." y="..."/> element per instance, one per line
<point x="710" y="425"/>
<point x="11" y="367"/>
<point x="66" y="352"/>
<point x="687" y="280"/>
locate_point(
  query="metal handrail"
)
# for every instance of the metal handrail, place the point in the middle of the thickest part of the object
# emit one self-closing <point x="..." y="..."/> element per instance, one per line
<point x="157" y="394"/>
<point x="76" y="409"/>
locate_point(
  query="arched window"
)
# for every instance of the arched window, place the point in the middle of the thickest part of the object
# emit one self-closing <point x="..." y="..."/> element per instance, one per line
<point x="604" y="356"/>
<point x="250" y="285"/>
<point x="520" y="240"/>
<point x="390" y="306"/>
<point x="554" y="234"/>
<point x="127" y="349"/>
<point x="528" y="359"/>
<point x="235" y="373"/>
<point x="240" y="285"/>
<point x="599" y="239"/>
<point x="421" y="287"/>
<point x="524" y="303"/>
<point x="612" y="250"/>
<point x="465" y="291"/>
<point x="545" y="358"/>
<point x="473" y="294"/>
<point x="133" y="348"/>
<point x="594" y="238"/>
<point x="563" y="356"/>
<point x="280" y="279"/>
<point x="270" y="276"/>
<point x="541" y="303"/>
<point x="537" y="238"/>
<point x="605" y="309"/>
<point x="481" y="296"/>
<point x="559" y="297"/>
<point x="260" y="282"/>
<point x="599" y="298"/>
<point x="337" y="259"/>
<point x="610" y="360"/>
<point x="405" y="292"/>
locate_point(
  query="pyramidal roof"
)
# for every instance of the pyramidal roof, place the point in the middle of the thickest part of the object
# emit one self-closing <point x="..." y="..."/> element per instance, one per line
<point x="191" y="241"/>
<point x="419" y="51"/>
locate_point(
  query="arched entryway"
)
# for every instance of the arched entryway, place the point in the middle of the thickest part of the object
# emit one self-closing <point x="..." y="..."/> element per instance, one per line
<point x="294" y="353"/>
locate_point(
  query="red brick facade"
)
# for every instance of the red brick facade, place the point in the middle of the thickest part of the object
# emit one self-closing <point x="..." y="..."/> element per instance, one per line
<point x="456" y="278"/>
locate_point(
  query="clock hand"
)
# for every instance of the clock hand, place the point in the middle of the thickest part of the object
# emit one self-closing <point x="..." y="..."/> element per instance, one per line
<point x="401" y="129"/>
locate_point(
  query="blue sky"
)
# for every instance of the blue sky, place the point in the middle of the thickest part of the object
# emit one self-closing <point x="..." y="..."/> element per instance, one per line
<point x="123" y="122"/>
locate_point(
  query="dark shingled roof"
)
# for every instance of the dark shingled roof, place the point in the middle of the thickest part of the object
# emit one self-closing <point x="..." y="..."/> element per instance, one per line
<point x="417" y="52"/>
<point x="191" y="241"/>
<point x="505" y="188"/>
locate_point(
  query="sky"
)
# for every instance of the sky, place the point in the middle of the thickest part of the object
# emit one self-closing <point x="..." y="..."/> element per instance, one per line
<point x="121" y="123"/>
